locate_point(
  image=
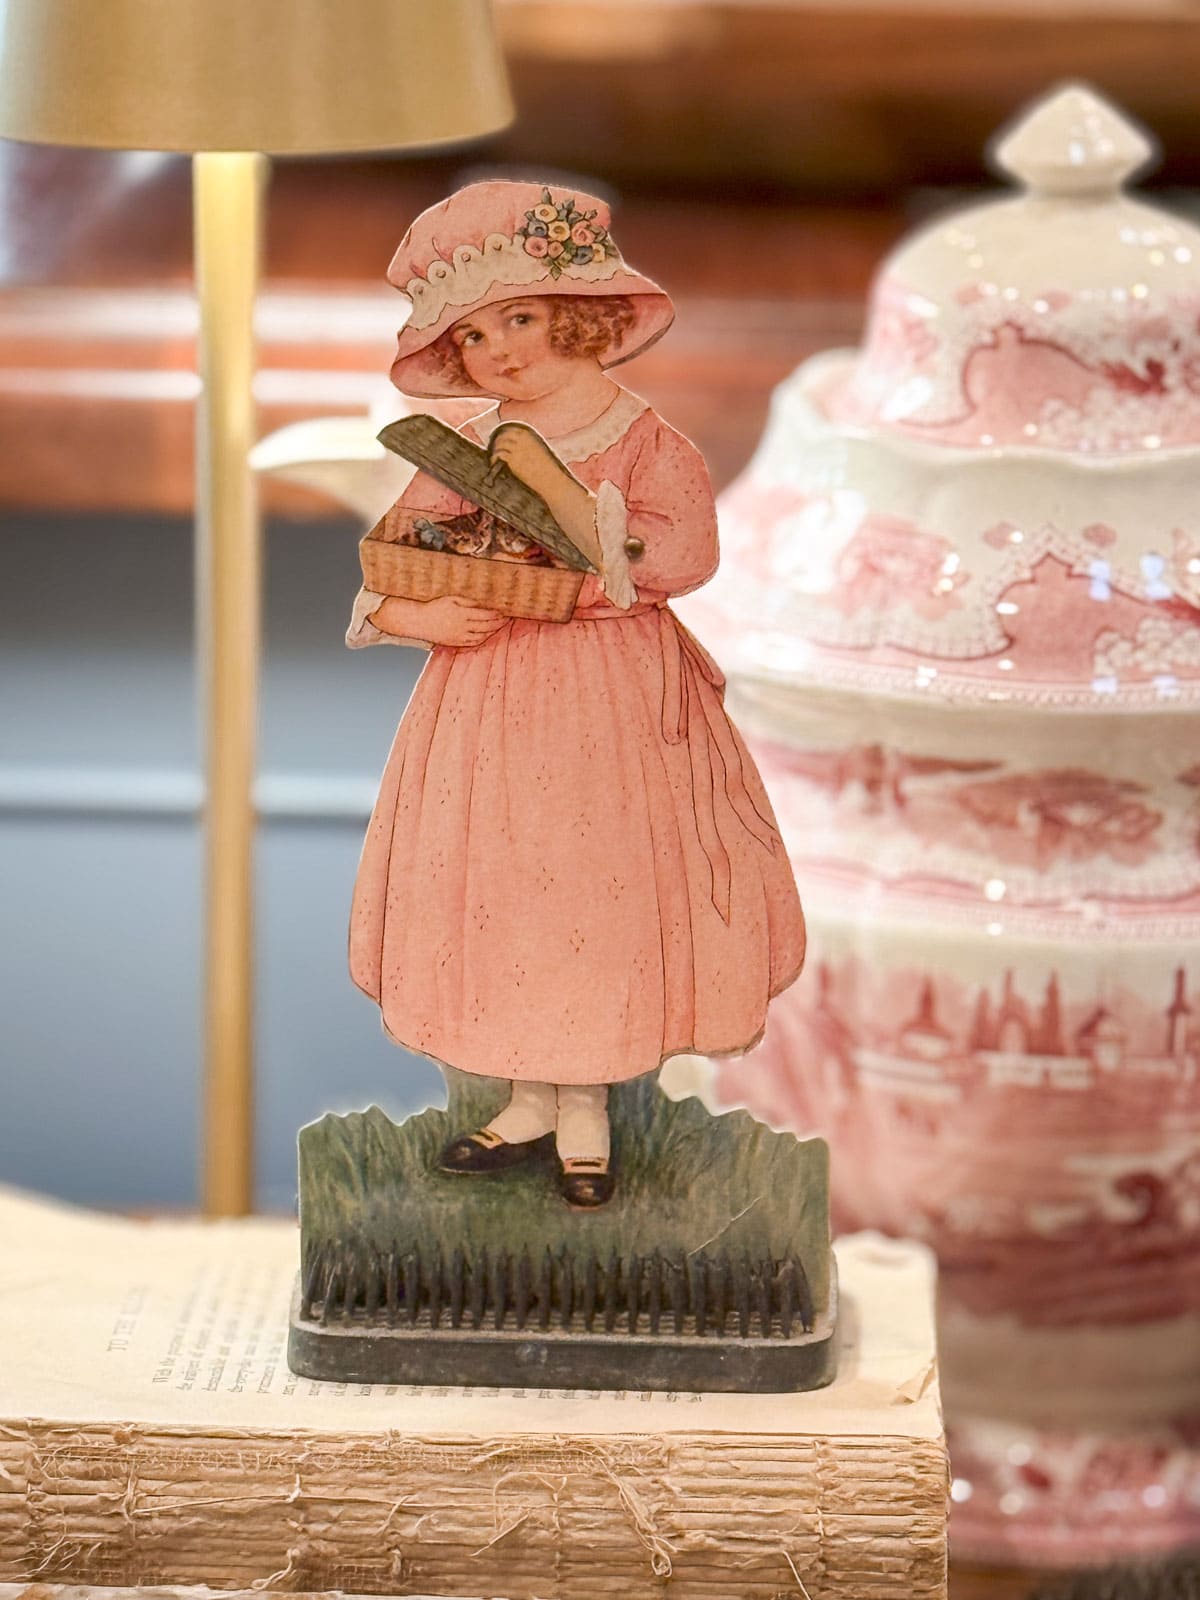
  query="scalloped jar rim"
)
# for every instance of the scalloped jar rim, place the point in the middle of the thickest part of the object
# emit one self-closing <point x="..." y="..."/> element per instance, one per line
<point x="968" y="695"/>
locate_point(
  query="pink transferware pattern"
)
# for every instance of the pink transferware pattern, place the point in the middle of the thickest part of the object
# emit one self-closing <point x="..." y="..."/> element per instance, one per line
<point x="960" y="610"/>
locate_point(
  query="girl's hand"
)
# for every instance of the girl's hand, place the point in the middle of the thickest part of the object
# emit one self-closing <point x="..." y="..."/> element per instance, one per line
<point x="446" y="620"/>
<point x="526" y="454"/>
<point x="531" y="459"/>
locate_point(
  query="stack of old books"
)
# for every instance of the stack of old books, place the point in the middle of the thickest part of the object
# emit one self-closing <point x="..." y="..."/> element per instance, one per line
<point x="151" y="1434"/>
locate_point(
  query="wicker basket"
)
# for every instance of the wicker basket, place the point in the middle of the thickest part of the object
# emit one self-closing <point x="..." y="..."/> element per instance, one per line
<point x="517" y="589"/>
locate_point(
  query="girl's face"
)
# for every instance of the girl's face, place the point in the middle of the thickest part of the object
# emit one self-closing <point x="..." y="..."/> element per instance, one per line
<point x="506" y="351"/>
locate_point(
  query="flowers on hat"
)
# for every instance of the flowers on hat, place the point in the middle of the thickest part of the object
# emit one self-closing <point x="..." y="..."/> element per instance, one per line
<point x="563" y="236"/>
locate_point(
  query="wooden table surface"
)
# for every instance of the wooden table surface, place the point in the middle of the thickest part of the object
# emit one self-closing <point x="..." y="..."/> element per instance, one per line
<point x="978" y="1584"/>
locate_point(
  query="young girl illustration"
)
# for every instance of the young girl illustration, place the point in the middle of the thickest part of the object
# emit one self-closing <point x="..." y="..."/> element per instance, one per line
<point x="572" y="871"/>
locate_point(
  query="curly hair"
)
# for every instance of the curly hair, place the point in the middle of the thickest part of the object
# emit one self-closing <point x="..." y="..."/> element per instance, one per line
<point x="580" y="325"/>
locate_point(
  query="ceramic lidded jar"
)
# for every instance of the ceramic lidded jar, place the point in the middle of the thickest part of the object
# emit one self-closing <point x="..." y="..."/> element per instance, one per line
<point x="960" y="609"/>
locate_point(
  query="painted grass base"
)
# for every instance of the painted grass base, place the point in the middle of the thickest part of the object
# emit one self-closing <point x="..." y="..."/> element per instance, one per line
<point x="718" y="1225"/>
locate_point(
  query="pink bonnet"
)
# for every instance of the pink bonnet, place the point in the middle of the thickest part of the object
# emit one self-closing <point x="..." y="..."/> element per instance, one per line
<point x="492" y="242"/>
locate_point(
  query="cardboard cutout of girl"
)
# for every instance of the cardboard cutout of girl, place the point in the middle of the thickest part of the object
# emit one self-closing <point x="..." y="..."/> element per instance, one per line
<point x="572" y="871"/>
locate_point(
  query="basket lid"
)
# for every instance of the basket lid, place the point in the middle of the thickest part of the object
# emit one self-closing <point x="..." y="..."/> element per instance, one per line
<point x="470" y="471"/>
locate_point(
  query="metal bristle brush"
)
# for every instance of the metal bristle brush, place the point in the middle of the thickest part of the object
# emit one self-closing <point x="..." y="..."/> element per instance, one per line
<point x="686" y="1295"/>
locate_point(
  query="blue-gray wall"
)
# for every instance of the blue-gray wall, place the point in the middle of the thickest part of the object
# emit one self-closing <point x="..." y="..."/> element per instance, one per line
<point x="100" y="857"/>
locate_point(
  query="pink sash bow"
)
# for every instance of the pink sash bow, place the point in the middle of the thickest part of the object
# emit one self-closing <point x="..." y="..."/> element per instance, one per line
<point x="714" y="749"/>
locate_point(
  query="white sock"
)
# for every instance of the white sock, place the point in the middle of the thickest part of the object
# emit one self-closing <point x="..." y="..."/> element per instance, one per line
<point x="530" y="1113"/>
<point x="583" y="1131"/>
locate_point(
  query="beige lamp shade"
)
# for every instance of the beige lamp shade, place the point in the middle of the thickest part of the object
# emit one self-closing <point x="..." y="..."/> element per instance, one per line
<point x="277" y="76"/>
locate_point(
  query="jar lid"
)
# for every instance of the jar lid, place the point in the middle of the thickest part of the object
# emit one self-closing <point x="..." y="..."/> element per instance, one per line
<point x="1066" y="317"/>
<point x="994" y="500"/>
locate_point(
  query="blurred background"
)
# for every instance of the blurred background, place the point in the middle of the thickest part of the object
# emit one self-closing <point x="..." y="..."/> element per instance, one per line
<point x="761" y="159"/>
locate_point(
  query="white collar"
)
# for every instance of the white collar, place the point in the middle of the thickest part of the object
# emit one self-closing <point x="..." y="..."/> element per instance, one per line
<point x="610" y="426"/>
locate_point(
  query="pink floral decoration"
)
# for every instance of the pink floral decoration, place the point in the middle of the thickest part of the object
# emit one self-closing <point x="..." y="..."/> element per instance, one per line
<point x="1100" y="534"/>
<point x="1064" y="815"/>
<point x="889" y="562"/>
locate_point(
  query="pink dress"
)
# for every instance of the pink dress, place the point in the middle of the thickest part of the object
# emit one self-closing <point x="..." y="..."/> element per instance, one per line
<point x="572" y="870"/>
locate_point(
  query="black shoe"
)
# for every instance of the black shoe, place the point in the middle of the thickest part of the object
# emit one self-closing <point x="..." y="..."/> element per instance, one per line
<point x="586" y="1183"/>
<point x="487" y="1152"/>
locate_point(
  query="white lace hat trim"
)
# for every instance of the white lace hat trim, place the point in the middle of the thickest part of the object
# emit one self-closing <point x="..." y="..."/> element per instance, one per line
<point x="471" y="271"/>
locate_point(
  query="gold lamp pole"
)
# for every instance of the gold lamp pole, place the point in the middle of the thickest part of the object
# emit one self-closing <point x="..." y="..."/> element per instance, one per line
<point x="232" y="81"/>
<point x="227" y="223"/>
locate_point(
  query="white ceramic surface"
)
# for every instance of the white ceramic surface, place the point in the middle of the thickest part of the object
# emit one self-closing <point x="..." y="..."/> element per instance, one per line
<point x="960" y="609"/>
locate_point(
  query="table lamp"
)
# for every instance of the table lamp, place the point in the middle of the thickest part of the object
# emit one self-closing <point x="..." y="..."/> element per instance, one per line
<point x="232" y="82"/>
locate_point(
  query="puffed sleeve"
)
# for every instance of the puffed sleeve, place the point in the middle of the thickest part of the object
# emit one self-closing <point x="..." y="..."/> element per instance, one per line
<point x="423" y="493"/>
<point x="667" y="504"/>
<point x="362" y="631"/>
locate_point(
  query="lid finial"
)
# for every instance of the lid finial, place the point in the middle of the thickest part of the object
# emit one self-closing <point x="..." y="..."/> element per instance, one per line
<point x="1073" y="142"/>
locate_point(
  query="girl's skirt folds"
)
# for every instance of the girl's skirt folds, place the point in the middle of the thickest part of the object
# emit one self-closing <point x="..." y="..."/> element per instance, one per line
<point x="572" y="870"/>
